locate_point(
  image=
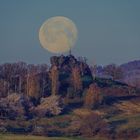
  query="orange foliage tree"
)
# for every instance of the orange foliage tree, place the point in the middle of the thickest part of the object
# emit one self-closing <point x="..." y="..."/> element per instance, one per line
<point x="93" y="96"/>
<point x="76" y="79"/>
<point x="54" y="75"/>
<point x="33" y="86"/>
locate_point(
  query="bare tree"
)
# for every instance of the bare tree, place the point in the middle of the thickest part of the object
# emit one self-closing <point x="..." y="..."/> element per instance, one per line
<point x="93" y="69"/>
<point x="114" y="71"/>
<point x="3" y="88"/>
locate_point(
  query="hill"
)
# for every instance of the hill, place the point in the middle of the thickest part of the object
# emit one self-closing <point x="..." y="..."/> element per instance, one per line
<point x="66" y="100"/>
<point x="132" y="73"/>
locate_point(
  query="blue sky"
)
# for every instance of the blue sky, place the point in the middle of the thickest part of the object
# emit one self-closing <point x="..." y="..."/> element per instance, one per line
<point x="108" y="30"/>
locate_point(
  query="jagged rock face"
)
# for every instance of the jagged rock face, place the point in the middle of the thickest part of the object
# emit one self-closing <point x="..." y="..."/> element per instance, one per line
<point x="68" y="62"/>
<point x="65" y="65"/>
<point x="61" y="61"/>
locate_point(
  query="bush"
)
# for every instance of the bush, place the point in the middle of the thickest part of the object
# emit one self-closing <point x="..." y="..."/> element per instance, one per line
<point x="93" y="124"/>
<point x="14" y="105"/>
<point x="49" y="106"/>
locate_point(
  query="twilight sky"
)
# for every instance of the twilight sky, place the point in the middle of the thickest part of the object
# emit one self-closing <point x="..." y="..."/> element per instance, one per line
<point x="108" y="30"/>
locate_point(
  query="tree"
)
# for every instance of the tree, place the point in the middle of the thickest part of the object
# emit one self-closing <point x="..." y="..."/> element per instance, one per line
<point x="93" y="97"/>
<point x="44" y="79"/>
<point x="82" y="59"/>
<point x="13" y="74"/>
<point x="33" y="86"/>
<point x="7" y="71"/>
<point x="15" y="105"/>
<point x="114" y="71"/>
<point x="3" y="88"/>
<point x="136" y="82"/>
<point x="18" y="77"/>
<point x="93" y="69"/>
<point x="54" y="74"/>
<point x="76" y="79"/>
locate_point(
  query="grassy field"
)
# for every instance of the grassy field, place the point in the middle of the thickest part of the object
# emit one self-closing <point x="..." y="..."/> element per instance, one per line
<point x="23" y="137"/>
<point x="29" y="137"/>
<point x="128" y="118"/>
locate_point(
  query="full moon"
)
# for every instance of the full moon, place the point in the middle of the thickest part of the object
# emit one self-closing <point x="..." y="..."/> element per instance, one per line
<point x="58" y="34"/>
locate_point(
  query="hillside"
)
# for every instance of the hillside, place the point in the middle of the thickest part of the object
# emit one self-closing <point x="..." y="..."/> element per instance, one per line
<point x="132" y="72"/>
<point x="65" y="100"/>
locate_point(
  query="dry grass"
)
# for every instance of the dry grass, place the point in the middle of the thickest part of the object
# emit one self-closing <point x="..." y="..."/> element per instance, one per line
<point x="85" y="112"/>
<point x="130" y="116"/>
<point x="24" y="137"/>
<point x="129" y="107"/>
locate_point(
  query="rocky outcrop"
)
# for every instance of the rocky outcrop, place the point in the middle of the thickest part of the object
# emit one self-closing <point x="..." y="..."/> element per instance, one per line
<point x="66" y="66"/>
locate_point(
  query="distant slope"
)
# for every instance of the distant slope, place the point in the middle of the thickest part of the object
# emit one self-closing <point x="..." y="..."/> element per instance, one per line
<point x="132" y="72"/>
<point x="133" y="65"/>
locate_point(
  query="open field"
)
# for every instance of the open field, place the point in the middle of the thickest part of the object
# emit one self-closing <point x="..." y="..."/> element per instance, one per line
<point x="23" y="137"/>
<point x="29" y="137"/>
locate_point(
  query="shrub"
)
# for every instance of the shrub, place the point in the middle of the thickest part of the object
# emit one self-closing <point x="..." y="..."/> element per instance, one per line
<point x="93" y="124"/>
<point x="14" y="105"/>
<point x="49" y="106"/>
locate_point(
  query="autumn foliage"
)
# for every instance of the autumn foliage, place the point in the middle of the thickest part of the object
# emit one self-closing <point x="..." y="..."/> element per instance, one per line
<point x="33" y="86"/>
<point x="93" y="96"/>
<point x="76" y="79"/>
<point x="54" y="74"/>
